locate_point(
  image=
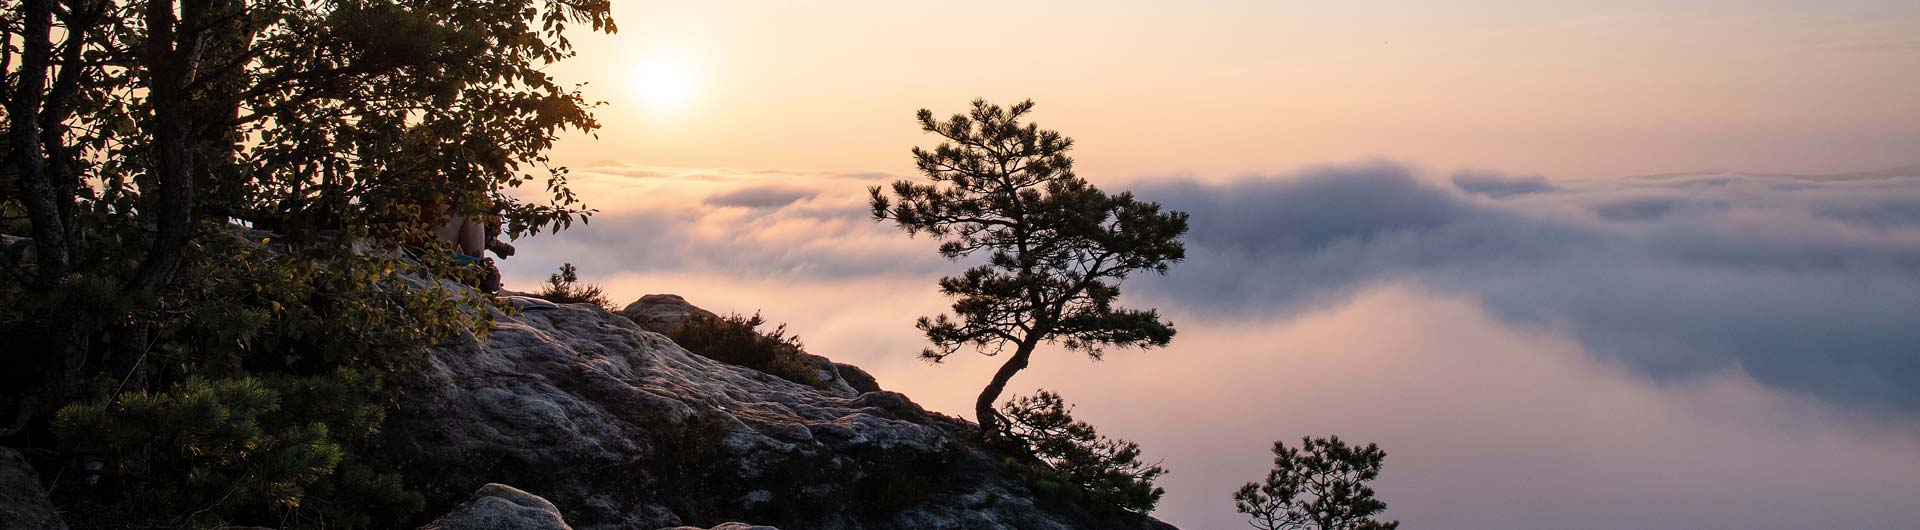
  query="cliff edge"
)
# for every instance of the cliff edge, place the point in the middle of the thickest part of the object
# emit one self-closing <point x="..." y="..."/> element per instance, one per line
<point x="620" y="428"/>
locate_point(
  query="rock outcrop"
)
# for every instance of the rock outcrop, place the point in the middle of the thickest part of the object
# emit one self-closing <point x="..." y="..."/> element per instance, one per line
<point x="500" y="507"/>
<point x="23" y="503"/>
<point x="621" y="428"/>
<point x="859" y="380"/>
<point x="661" y="313"/>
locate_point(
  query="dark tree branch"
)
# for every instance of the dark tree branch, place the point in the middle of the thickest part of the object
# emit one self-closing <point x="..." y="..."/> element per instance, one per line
<point x="38" y="192"/>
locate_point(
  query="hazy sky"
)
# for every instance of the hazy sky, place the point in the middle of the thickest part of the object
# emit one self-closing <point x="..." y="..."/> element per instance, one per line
<point x="1413" y="225"/>
<point x="1566" y="89"/>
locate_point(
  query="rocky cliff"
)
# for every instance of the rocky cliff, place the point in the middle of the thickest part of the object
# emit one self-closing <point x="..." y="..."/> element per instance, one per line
<point x="619" y="428"/>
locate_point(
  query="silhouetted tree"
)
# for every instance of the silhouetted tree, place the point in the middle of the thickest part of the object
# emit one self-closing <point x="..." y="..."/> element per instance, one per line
<point x="129" y="125"/>
<point x="1106" y="470"/>
<point x="1057" y="247"/>
<point x="1320" y="486"/>
<point x="212" y="376"/>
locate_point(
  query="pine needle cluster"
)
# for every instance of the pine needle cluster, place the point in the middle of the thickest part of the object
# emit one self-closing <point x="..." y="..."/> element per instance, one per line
<point x="1107" y="471"/>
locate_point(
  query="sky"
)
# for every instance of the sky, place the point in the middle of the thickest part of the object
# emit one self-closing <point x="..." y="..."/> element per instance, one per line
<point x="1570" y="89"/>
<point x="1574" y="265"/>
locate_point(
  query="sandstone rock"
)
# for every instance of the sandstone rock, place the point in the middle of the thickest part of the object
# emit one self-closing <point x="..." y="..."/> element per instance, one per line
<point x="829" y="372"/>
<point x="857" y="379"/>
<point x="500" y="507"/>
<point x="661" y="313"/>
<point x="23" y="503"/>
<point x="621" y="428"/>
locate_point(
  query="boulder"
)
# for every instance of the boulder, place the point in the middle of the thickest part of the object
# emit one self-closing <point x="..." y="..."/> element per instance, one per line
<point x="500" y="507"/>
<point x="662" y="313"/>
<point x="859" y="380"/>
<point x="725" y="526"/>
<point x="829" y="372"/>
<point x="23" y="503"/>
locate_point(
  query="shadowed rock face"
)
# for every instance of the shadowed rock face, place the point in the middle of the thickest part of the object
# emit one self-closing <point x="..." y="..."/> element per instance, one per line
<point x="621" y="428"/>
<point x="857" y="379"/>
<point x="23" y="503"/>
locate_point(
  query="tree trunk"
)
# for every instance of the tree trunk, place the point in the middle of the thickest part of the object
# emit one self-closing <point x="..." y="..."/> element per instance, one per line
<point x="171" y="60"/>
<point x="989" y="419"/>
<point x="37" y="187"/>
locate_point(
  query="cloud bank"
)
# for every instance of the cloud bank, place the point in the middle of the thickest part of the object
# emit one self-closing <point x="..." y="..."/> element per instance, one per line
<point x="805" y="226"/>
<point x="1701" y="350"/>
<point x="1807" y="283"/>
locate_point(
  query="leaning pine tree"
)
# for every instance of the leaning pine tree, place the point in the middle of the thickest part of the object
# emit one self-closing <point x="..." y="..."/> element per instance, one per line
<point x="1057" y="248"/>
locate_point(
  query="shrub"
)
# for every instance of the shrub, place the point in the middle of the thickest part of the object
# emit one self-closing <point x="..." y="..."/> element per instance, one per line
<point x="737" y="340"/>
<point x="259" y="448"/>
<point x="564" y="287"/>
<point x="1107" y="471"/>
<point x="259" y="379"/>
<point x="1320" y="486"/>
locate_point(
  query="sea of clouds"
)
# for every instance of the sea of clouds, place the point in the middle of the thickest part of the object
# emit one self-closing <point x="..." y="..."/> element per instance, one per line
<point x="1702" y="350"/>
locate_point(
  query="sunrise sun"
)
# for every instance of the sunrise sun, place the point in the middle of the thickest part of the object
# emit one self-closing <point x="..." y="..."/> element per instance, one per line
<point x="663" y="81"/>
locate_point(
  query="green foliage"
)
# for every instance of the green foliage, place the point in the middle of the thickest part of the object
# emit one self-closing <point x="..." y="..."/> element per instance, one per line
<point x="1057" y="248"/>
<point x="228" y="376"/>
<point x="564" y="287"/>
<point x="737" y="340"/>
<point x="228" y="447"/>
<point x="245" y="307"/>
<point x="1106" y="471"/>
<point x="273" y="363"/>
<point x="330" y="115"/>
<point x="1322" y="485"/>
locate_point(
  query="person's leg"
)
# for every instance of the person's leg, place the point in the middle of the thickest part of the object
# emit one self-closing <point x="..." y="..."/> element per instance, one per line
<point x="448" y="226"/>
<point x="473" y="238"/>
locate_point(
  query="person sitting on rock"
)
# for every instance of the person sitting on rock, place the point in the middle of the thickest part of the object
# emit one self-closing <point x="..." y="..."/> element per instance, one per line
<point x="471" y="236"/>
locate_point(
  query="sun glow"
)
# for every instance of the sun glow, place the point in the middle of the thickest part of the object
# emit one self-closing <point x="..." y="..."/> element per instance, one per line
<point x="664" y="81"/>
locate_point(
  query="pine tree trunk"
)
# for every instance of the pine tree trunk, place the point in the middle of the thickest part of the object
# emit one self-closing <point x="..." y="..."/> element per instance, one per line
<point x="39" y="193"/>
<point x="990" y="428"/>
<point x="171" y="69"/>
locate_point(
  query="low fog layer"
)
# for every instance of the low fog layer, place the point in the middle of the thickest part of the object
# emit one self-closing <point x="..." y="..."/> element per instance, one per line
<point x="1811" y="284"/>
<point x="1703" y="350"/>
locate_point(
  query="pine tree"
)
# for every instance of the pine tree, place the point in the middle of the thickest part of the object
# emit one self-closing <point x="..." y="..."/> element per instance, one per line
<point x="564" y="287"/>
<point x="1057" y="247"/>
<point x="1320" y="486"/>
<point x="1106" y="470"/>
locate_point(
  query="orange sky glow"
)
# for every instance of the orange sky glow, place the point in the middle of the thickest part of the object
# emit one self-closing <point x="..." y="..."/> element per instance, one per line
<point x="1565" y="89"/>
